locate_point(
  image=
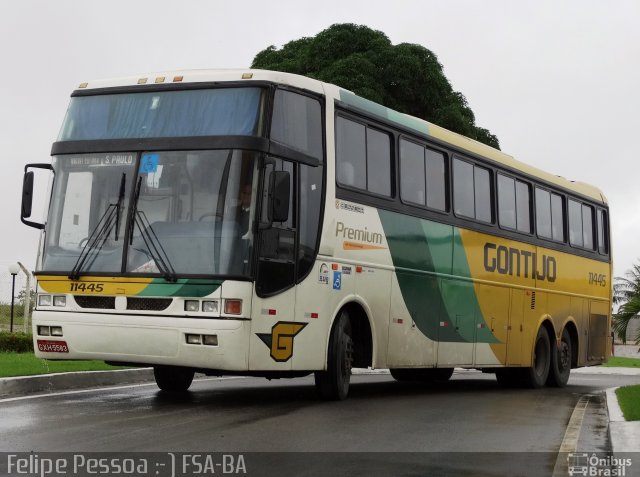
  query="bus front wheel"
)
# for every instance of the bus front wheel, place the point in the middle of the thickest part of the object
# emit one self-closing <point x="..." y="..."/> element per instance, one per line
<point x="173" y="379"/>
<point x="333" y="384"/>
<point x="536" y="376"/>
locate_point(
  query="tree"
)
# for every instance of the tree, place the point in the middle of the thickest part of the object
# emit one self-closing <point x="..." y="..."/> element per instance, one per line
<point x="626" y="292"/>
<point x="405" y="77"/>
<point x="22" y="296"/>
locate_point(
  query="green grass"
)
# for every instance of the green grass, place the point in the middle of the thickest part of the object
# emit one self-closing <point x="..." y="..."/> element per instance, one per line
<point x="629" y="400"/>
<point x="26" y="364"/>
<point x="619" y="362"/>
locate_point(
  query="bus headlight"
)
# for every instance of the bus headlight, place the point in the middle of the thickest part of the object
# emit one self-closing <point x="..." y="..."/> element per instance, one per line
<point x="44" y="300"/>
<point x="191" y="305"/>
<point x="59" y="301"/>
<point x="210" y="306"/>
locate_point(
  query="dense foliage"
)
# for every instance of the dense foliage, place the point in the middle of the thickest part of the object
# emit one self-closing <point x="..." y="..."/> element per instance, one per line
<point x="405" y="77"/>
<point x="15" y="342"/>
<point x="626" y="293"/>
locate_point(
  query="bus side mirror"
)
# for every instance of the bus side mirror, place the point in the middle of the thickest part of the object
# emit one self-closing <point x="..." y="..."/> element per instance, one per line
<point x="26" y="208"/>
<point x="27" y="194"/>
<point x="280" y="191"/>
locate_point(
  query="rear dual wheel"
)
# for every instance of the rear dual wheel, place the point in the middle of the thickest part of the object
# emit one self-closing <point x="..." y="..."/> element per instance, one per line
<point x="536" y="376"/>
<point x="551" y="364"/>
<point x="560" y="361"/>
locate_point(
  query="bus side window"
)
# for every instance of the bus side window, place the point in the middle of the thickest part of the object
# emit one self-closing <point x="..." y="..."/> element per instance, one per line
<point x="351" y="153"/>
<point x="506" y="201"/>
<point x="363" y="157"/>
<point x="297" y="122"/>
<point x="576" y="237"/>
<point x="587" y="227"/>
<point x="412" y="173"/>
<point x="549" y="215"/>
<point x="309" y="217"/>
<point x="472" y="191"/>
<point x="514" y="204"/>
<point x="603" y="232"/>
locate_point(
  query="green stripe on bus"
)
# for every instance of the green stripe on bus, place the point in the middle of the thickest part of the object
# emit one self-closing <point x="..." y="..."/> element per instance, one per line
<point x="443" y="308"/>
<point x="379" y="110"/>
<point x="190" y="287"/>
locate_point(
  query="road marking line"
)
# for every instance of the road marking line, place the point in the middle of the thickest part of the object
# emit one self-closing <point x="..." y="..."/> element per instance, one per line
<point x="108" y="388"/>
<point x="571" y="436"/>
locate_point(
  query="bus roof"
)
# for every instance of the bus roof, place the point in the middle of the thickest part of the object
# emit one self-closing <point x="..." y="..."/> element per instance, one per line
<point x="421" y="126"/>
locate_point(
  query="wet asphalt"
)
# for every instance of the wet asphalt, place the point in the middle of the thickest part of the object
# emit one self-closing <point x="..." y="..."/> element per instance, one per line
<point x="380" y="422"/>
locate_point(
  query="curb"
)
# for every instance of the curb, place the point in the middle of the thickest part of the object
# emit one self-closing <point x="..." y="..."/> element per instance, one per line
<point x="624" y="435"/>
<point x="74" y="380"/>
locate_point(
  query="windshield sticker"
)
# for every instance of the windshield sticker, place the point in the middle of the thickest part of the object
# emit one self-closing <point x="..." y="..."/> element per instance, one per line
<point x="108" y="160"/>
<point x="149" y="163"/>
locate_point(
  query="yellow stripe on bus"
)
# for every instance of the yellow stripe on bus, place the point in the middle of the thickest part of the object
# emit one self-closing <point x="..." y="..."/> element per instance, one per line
<point x="93" y="285"/>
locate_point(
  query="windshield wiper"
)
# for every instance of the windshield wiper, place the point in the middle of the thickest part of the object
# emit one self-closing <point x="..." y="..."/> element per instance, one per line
<point x="151" y="240"/>
<point x="98" y="236"/>
<point x="119" y="204"/>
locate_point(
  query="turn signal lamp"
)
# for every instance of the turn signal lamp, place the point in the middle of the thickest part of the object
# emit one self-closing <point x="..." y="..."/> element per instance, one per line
<point x="233" y="307"/>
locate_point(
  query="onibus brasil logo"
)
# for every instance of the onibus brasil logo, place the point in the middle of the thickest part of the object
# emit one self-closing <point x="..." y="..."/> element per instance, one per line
<point x="595" y="465"/>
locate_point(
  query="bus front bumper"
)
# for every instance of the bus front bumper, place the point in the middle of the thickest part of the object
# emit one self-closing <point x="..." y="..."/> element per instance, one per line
<point x="143" y="339"/>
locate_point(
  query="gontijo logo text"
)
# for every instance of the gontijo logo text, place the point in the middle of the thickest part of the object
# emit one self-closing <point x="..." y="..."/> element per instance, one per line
<point x="519" y="263"/>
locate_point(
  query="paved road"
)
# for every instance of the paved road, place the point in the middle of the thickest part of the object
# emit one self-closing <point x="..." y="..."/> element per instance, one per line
<point x="470" y="413"/>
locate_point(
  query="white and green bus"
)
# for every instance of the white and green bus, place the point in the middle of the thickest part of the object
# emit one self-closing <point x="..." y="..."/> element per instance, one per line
<point x="267" y="224"/>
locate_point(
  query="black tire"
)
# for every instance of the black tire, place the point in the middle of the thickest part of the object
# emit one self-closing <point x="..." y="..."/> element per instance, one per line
<point x="536" y="376"/>
<point x="422" y="375"/>
<point x="173" y="379"/>
<point x="560" y="361"/>
<point x="333" y="384"/>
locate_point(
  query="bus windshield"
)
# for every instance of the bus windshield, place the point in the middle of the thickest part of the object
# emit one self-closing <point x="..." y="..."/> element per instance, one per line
<point x="186" y="113"/>
<point x="178" y="213"/>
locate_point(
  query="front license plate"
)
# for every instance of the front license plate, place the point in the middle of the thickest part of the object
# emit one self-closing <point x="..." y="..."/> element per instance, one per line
<point x="49" y="346"/>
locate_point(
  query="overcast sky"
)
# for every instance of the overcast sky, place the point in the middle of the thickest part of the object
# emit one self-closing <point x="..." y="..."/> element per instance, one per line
<point x="557" y="81"/>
